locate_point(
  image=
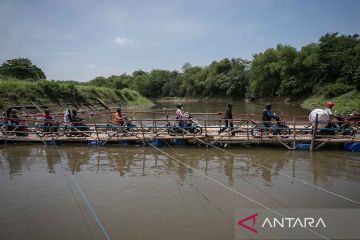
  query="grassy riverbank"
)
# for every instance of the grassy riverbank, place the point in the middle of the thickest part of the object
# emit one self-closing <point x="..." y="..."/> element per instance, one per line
<point x="15" y="92"/>
<point x="344" y="104"/>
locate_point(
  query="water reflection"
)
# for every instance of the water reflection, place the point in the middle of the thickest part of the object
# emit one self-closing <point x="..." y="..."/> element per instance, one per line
<point x="319" y="167"/>
<point x="16" y="163"/>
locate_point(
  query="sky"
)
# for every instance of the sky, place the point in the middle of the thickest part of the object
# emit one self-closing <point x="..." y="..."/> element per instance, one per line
<point x="82" y="39"/>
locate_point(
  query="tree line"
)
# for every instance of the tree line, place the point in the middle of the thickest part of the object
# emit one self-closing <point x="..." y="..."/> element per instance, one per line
<point x="330" y="67"/>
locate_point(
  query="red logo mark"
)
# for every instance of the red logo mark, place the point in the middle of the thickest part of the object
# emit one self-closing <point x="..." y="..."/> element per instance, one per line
<point x="250" y="228"/>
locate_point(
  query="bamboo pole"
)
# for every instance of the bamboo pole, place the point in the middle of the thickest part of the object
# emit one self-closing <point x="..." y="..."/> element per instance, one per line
<point x="97" y="134"/>
<point x="294" y="143"/>
<point x="206" y="134"/>
<point x="154" y="122"/>
<point x="247" y="130"/>
<point x="143" y="134"/>
<point x="312" y="146"/>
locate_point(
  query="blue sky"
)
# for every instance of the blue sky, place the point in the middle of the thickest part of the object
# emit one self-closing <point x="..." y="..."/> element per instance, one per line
<point x="82" y="39"/>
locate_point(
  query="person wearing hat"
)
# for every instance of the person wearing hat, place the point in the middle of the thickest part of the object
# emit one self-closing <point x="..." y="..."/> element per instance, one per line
<point x="329" y="106"/>
<point x="268" y="115"/>
<point x="228" y="120"/>
<point x="332" y="117"/>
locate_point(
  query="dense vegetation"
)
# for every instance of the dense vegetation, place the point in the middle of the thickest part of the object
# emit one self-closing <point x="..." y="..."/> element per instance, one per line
<point x="44" y="92"/>
<point x="23" y="83"/>
<point x="228" y="77"/>
<point x="21" y="68"/>
<point x="330" y="67"/>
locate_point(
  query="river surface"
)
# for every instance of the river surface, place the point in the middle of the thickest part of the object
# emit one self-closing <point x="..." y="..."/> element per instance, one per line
<point x="142" y="193"/>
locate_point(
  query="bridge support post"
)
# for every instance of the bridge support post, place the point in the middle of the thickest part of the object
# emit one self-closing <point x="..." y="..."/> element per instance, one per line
<point x="313" y="137"/>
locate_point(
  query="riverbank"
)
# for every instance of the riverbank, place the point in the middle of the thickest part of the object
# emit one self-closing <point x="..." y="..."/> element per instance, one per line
<point x="344" y="104"/>
<point x="16" y="92"/>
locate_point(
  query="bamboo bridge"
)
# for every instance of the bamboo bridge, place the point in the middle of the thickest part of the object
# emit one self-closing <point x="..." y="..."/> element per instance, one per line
<point x="160" y="129"/>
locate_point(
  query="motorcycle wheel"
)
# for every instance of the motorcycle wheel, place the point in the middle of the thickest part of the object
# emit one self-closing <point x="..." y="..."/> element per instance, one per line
<point x="284" y="132"/>
<point x="111" y="131"/>
<point x="68" y="132"/>
<point x="60" y="131"/>
<point x="40" y="131"/>
<point x="198" y="130"/>
<point x="171" y="131"/>
<point x="256" y="131"/>
<point x="132" y="130"/>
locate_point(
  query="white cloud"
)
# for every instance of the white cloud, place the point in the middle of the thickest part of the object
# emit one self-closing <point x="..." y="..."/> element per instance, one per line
<point x="122" y="41"/>
<point x="91" y="65"/>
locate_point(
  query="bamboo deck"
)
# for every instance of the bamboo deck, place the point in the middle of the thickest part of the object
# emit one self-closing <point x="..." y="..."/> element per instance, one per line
<point x="211" y="136"/>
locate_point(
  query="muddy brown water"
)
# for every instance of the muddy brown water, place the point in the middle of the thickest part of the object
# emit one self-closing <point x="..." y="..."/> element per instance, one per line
<point x="140" y="193"/>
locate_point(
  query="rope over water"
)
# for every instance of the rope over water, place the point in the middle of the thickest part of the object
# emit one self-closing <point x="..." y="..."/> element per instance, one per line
<point x="82" y="194"/>
<point x="229" y="188"/>
<point x="283" y="174"/>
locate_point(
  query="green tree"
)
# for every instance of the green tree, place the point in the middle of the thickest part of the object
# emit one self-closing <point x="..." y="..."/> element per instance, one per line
<point x="21" y="68"/>
<point x="236" y="80"/>
<point x="266" y="73"/>
<point x="338" y="57"/>
<point x="172" y="87"/>
<point x="98" y="81"/>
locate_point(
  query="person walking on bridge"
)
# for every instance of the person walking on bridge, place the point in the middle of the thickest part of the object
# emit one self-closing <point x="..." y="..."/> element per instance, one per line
<point x="228" y="120"/>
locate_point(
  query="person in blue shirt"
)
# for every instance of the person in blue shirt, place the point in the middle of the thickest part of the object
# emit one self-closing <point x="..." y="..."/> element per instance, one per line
<point x="268" y="115"/>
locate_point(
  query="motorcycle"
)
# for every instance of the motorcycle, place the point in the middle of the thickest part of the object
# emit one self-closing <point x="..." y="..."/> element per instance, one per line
<point x="16" y="127"/>
<point x="193" y="126"/>
<point x="46" y="126"/>
<point x="279" y="128"/>
<point x="190" y="126"/>
<point x="128" y="128"/>
<point x="342" y="126"/>
<point x="77" y="128"/>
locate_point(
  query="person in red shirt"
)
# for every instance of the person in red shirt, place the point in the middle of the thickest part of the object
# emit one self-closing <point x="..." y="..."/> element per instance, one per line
<point x="119" y="119"/>
<point x="48" y="121"/>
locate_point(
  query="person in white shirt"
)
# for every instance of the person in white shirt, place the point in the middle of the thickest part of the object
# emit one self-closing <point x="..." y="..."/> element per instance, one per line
<point x="67" y="117"/>
<point x="328" y="110"/>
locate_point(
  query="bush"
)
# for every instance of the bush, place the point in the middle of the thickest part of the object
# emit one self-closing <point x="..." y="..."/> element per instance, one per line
<point x="24" y="92"/>
<point x="337" y="89"/>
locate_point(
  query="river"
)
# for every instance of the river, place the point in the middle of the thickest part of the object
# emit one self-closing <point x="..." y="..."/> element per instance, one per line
<point x="141" y="193"/>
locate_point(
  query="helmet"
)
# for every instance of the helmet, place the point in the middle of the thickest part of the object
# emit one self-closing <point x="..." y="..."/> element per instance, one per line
<point x="13" y="111"/>
<point x="229" y="105"/>
<point x="179" y="105"/>
<point x="74" y="111"/>
<point x="268" y="106"/>
<point x="330" y="104"/>
<point x="47" y="111"/>
<point x="119" y="109"/>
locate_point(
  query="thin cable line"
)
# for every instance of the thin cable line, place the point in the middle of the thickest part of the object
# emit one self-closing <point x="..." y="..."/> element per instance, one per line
<point x="92" y="211"/>
<point x="230" y="189"/>
<point x="77" y="202"/>
<point x="285" y="175"/>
